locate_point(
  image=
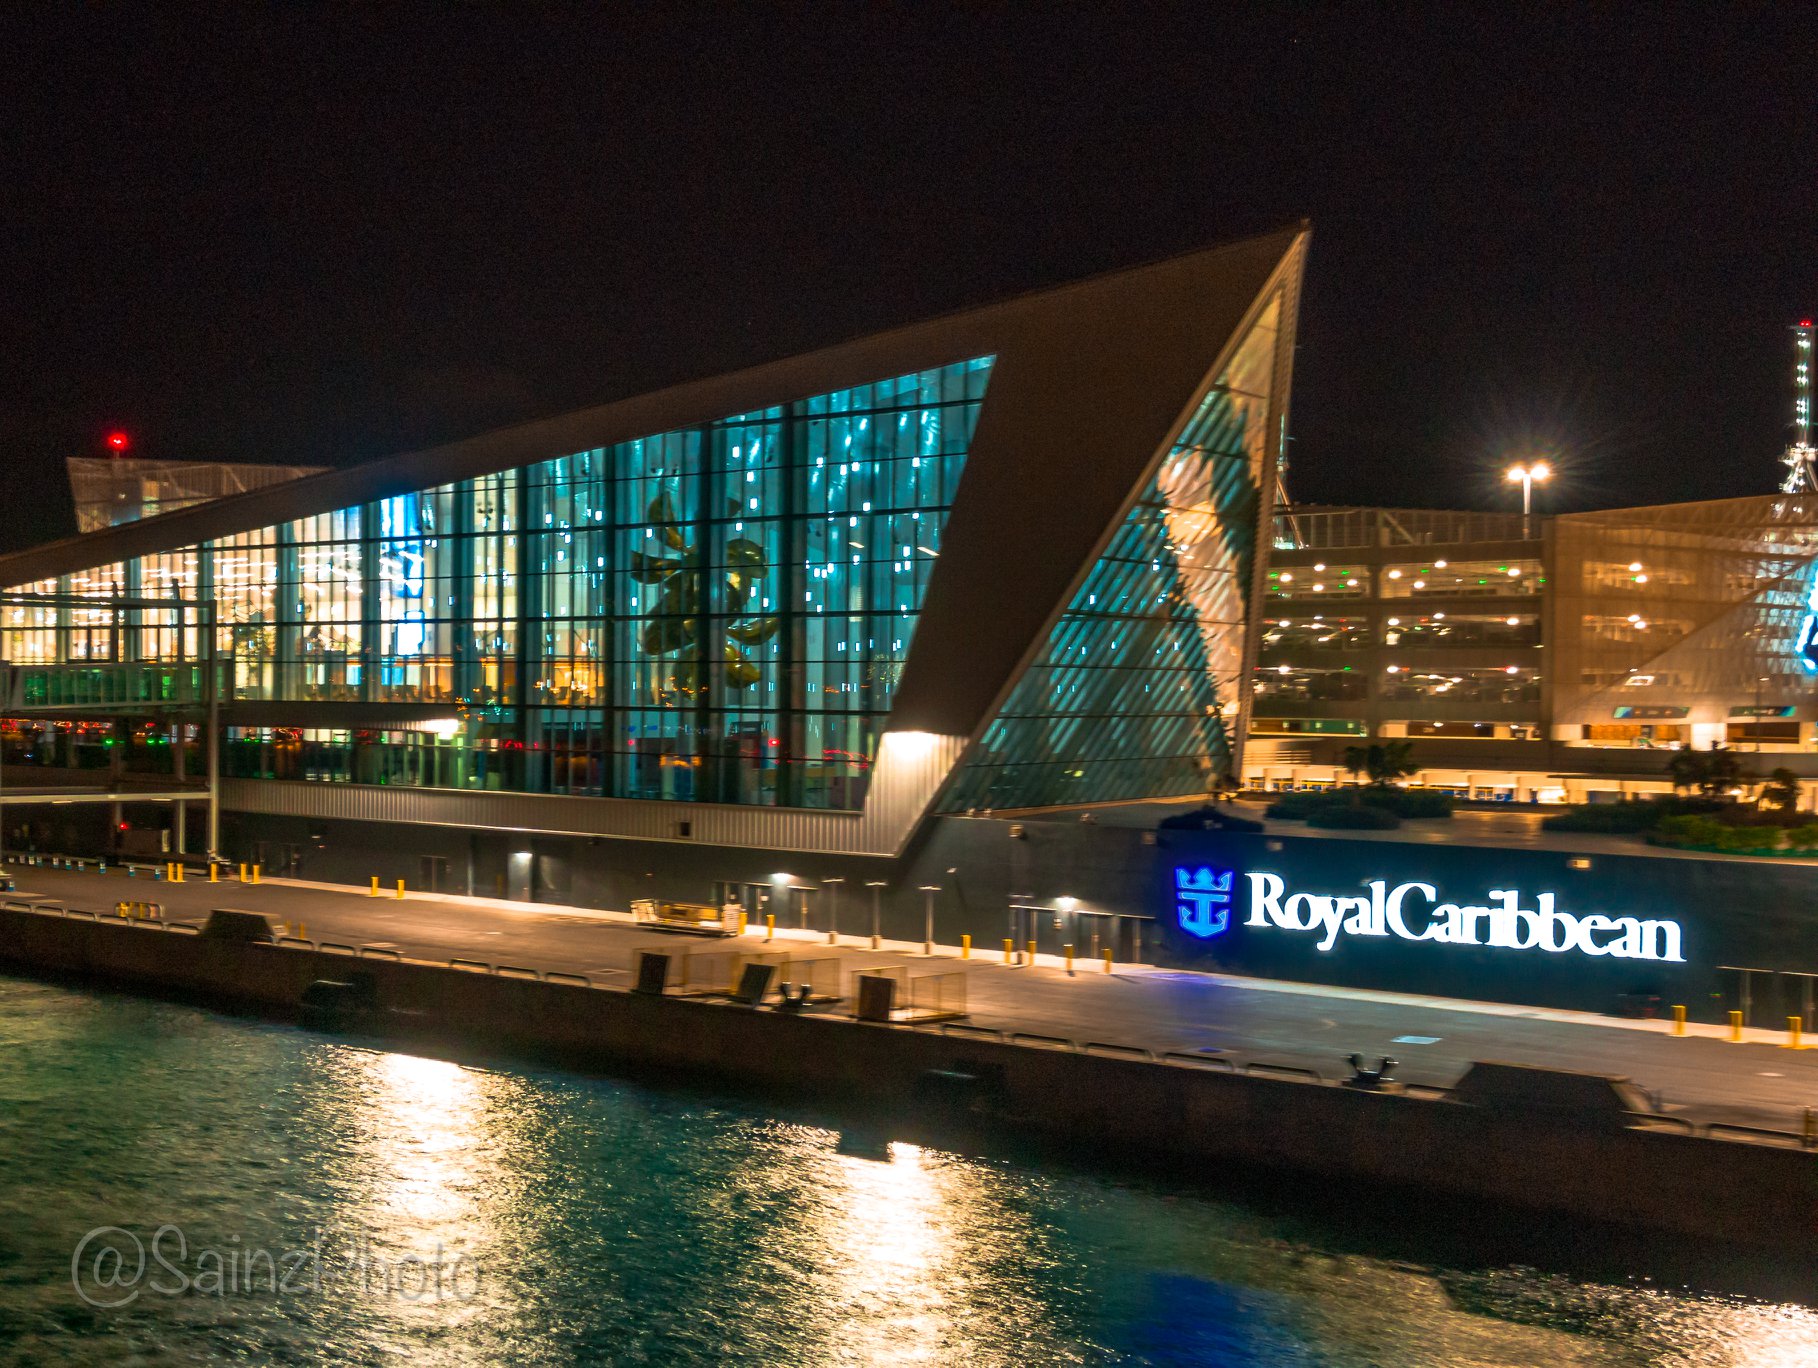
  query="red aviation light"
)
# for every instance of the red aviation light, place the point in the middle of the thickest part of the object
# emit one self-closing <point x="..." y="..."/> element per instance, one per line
<point x="118" y="442"/>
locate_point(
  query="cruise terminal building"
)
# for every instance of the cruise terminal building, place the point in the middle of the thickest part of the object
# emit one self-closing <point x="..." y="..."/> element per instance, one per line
<point x="861" y="630"/>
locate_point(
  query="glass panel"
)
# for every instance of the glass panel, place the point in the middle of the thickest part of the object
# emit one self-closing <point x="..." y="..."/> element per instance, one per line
<point x="1134" y="691"/>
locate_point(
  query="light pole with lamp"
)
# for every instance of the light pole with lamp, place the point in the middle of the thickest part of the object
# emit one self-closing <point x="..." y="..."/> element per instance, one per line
<point x="877" y="887"/>
<point x="928" y="892"/>
<point x="833" y="909"/>
<point x="1527" y="476"/>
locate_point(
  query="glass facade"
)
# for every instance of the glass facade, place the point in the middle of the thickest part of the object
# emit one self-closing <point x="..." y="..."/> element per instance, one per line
<point x="1136" y="691"/>
<point x="717" y="614"/>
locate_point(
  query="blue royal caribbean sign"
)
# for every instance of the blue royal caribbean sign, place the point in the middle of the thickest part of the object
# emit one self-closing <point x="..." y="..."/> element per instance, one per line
<point x="1202" y="899"/>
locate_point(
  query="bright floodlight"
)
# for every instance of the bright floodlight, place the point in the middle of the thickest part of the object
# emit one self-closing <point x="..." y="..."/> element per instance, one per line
<point x="1540" y="470"/>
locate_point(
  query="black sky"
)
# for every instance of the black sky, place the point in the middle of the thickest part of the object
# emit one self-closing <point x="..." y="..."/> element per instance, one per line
<point x="321" y="235"/>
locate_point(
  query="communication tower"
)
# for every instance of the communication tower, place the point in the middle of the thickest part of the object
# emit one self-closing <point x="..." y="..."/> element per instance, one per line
<point x="1801" y="457"/>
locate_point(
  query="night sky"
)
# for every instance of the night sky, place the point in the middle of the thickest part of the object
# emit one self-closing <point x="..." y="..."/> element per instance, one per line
<point x="322" y="235"/>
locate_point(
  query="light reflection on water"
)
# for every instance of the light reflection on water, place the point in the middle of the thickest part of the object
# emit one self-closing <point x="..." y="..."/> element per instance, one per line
<point x="607" y="1223"/>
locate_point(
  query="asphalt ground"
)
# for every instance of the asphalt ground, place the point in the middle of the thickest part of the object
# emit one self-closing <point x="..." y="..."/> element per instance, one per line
<point x="1702" y="1076"/>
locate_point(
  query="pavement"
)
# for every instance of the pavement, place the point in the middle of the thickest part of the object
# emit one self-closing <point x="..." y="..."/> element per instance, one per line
<point x="1702" y="1076"/>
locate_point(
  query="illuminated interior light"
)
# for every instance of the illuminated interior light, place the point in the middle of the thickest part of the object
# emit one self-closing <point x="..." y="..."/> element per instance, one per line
<point x="1394" y="669"/>
<point x="1320" y="566"/>
<point x="1641" y="579"/>
<point x="1394" y="574"/>
<point x="1394" y="622"/>
<point x="1514" y="570"/>
<point x="1420" y="584"/>
<point x="1286" y="578"/>
<point x="1439" y="565"/>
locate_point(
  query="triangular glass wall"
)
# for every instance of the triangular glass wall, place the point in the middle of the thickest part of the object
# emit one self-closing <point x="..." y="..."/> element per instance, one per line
<point x="1135" y="692"/>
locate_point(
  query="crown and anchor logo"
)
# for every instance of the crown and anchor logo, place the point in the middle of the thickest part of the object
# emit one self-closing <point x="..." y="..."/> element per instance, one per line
<point x="1202" y="899"/>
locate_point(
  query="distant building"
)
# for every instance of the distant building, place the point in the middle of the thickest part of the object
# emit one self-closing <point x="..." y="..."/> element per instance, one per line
<point x="1559" y="666"/>
<point x="110" y="491"/>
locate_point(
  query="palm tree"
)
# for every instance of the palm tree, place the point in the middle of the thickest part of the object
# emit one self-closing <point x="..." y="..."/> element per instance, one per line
<point x="1781" y="790"/>
<point x="1391" y="761"/>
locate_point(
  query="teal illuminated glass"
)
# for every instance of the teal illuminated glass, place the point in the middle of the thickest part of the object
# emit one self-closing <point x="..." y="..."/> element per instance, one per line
<point x="1135" y="691"/>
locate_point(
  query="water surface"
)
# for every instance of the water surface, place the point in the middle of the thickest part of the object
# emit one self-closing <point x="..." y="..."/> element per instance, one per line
<point x="422" y="1211"/>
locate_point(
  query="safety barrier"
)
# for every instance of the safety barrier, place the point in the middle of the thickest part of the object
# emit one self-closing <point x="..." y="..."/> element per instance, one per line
<point x="896" y="973"/>
<point x="186" y="928"/>
<point x="937" y="997"/>
<point x="380" y="952"/>
<point x="517" y="971"/>
<point x="337" y="948"/>
<point x="471" y="965"/>
<point x="821" y="975"/>
<point x="559" y="976"/>
<point x="295" y="942"/>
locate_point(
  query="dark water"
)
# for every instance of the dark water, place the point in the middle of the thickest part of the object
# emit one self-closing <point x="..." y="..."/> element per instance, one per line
<point x="420" y="1211"/>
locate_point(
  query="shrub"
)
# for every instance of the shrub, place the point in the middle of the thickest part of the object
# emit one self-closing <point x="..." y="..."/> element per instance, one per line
<point x="1803" y="837"/>
<point x="1294" y="807"/>
<point x="1749" y="838"/>
<point x="1622" y="818"/>
<point x="1692" y="830"/>
<point x="1344" y="817"/>
<point x="1410" y="803"/>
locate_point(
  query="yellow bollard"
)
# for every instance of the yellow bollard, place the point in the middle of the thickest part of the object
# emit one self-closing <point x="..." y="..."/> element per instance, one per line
<point x="179" y="868"/>
<point x="742" y="920"/>
<point x="1735" y="1028"/>
<point x="1032" y="954"/>
<point x="302" y="931"/>
<point x="770" y="926"/>
<point x="375" y="887"/>
<point x="1794" y="1027"/>
<point x="1679" y="1020"/>
<point x="965" y="947"/>
<point x="400" y="888"/>
<point x="1069" y="957"/>
<point x="1009" y="949"/>
<point x="214" y="872"/>
<point x="243" y="871"/>
<point x="257" y="869"/>
<point x="1107" y="961"/>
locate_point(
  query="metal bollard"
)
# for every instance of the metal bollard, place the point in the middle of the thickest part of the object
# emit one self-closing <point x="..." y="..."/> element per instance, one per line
<point x="1735" y="1028"/>
<point x="965" y="947"/>
<point x="1069" y="959"/>
<point x="400" y="888"/>
<point x="1009" y="949"/>
<point x="1032" y="954"/>
<point x="742" y="921"/>
<point x="375" y="887"/>
<point x="214" y="872"/>
<point x="243" y="871"/>
<point x="1794" y="1027"/>
<point x="1679" y="1020"/>
<point x="770" y="926"/>
<point x="1107" y="961"/>
<point x="257" y="870"/>
<point x="302" y="931"/>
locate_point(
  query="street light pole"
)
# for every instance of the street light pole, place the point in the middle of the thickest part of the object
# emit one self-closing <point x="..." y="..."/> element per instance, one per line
<point x="833" y="909"/>
<point x="1526" y="476"/>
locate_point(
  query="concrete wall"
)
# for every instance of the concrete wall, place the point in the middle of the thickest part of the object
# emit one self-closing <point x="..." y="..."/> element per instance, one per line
<point x="1194" y="1119"/>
